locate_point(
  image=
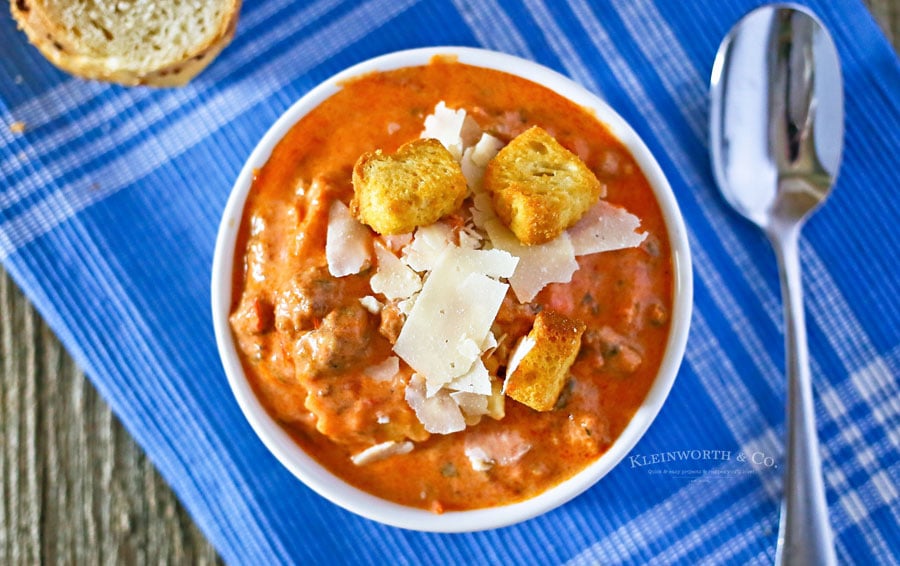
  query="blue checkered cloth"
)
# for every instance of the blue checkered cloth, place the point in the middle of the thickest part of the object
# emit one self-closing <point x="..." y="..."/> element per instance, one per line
<point x="110" y="202"/>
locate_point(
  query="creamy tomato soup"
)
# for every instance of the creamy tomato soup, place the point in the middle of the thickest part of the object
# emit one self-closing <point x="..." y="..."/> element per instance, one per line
<point x="309" y="345"/>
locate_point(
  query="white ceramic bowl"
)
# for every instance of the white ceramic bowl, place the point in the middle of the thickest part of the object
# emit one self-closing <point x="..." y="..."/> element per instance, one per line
<point x="320" y="479"/>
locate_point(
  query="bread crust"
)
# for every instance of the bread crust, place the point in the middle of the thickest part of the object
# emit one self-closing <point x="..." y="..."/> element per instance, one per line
<point x="416" y="186"/>
<point x="55" y="43"/>
<point x="539" y="188"/>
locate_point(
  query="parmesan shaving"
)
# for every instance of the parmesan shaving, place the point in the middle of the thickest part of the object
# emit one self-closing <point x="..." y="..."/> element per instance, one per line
<point x="489" y="343"/>
<point x="438" y="414"/>
<point x="472" y="172"/>
<point x="405" y="306"/>
<point x="605" y="227"/>
<point x="396" y="242"/>
<point x="384" y="371"/>
<point x="470" y="238"/>
<point x="450" y="283"/>
<point x="371" y="304"/>
<point x="427" y="245"/>
<point x="494" y="263"/>
<point x="524" y="345"/>
<point x="477" y="380"/>
<point x="469" y="348"/>
<point x="347" y="242"/>
<point x="458" y="303"/>
<point x="485" y="150"/>
<point x="538" y="266"/>
<point x="472" y="404"/>
<point x="482" y="209"/>
<point x="501" y="448"/>
<point x="475" y="158"/>
<point x="393" y="279"/>
<point x="479" y="459"/>
<point x="453" y="128"/>
<point x="381" y="451"/>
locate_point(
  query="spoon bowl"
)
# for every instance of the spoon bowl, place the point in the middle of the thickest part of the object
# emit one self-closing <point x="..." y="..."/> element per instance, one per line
<point x="776" y="136"/>
<point x="776" y="120"/>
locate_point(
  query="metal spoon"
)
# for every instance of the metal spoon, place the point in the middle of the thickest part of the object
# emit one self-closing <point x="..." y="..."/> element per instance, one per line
<point x="776" y="135"/>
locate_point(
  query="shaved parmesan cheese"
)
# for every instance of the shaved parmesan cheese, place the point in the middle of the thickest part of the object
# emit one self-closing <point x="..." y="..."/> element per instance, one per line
<point x="479" y="459"/>
<point x="497" y="448"/>
<point x="381" y="451"/>
<point x="472" y="404"/>
<point x="525" y="344"/>
<point x="396" y="242"/>
<point x="495" y="263"/>
<point x="475" y="159"/>
<point x="457" y="303"/>
<point x="384" y="371"/>
<point x="439" y="414"/>
<point x="489" y="343"/>
<point x="432" y="388"/>
<point x="371" y="304"/>
<point x="470" y="238"/>
<point x="605" y="227"/>
<point x="427" y="245"/>
<point x="453" y="128"/>
<point x="450" y="282"/>
<point x="473" y="162"/>
<point x="538" y="266"/>
<point x="470" y="132"/>
<point x="405" y="306"/>
<point x="469" y="348"/>
<point x="393" y="279"/>
<point x="472" y="172"/>
<point x="485" y="150"/>
<point x="482" y="209"/>
<point x="347" y="242"/>
<point x="476" y="380"/>
<point x="512" y="452"/>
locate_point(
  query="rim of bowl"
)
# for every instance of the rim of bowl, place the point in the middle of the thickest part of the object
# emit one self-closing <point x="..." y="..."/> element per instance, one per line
<point x="306" y="468"/>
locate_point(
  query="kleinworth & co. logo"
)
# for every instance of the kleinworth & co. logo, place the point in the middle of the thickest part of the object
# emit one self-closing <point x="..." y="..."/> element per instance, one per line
<point x="702" y="464"/>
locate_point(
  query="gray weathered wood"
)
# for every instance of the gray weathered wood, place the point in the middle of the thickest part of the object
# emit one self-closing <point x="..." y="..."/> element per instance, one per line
<point x="74" y="487"/>
<point x="887" y="14"/>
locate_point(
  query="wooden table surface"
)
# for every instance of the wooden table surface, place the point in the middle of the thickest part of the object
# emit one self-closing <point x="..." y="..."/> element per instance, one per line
<point x="75" y="486"/>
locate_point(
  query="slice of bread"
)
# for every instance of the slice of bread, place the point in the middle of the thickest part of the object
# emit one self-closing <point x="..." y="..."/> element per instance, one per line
<point x="539" y="187"/>
<point x="131" y="42"/>
<point x="416" y="186"/>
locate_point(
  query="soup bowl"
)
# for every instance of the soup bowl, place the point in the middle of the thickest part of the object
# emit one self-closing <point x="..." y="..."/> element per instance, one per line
<point x="323" y="481"/>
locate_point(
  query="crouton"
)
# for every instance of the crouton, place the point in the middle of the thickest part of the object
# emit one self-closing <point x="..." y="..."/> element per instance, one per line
<point x="539" y="188"/>
<point x="540" y="375"/>
<point x="416" y="186"/>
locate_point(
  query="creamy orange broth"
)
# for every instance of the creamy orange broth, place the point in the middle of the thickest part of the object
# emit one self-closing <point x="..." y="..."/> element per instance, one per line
<point x="282" y="292"/>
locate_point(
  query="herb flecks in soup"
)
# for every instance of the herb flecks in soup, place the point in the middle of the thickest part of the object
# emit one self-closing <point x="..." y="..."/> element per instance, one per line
<point x="458" y="323"/>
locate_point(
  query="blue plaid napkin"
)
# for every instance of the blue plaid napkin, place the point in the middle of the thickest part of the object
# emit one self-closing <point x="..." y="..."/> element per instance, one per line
<point x="110" y="202"/>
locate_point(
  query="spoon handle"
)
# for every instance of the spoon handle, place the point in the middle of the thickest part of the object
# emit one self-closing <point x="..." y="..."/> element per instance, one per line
<point x="804" y="536"/>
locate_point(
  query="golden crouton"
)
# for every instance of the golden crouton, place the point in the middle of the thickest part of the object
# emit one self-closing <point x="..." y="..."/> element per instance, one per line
<point x="415" y="186"/>
<point x="541" y="374"/>
<point x="539" y="187"/>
